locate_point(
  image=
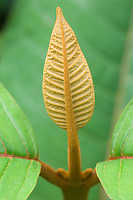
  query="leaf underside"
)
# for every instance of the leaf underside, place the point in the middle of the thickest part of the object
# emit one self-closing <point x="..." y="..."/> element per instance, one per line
<point x="116" y="176"/>
<point x="64" y="54"/>
<point x="26" y="39"/>
<point x="18" y="178"/>
<point x="16" y="134"/>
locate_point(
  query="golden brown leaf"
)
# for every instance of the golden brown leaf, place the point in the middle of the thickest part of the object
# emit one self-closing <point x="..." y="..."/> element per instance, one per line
<point x="67" y="84"/>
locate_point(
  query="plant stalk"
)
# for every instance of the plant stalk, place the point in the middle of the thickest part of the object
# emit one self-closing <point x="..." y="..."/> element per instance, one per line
<point x="77" y="193"/>
<point x="74" y="160"/>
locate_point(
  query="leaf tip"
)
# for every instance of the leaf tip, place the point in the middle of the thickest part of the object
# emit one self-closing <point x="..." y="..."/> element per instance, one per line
<point x="58" y="12"/>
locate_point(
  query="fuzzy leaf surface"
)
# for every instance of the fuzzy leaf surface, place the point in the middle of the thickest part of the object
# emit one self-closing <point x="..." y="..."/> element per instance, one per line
<point x="67" y="85"/>
<point x="101" y="27"/>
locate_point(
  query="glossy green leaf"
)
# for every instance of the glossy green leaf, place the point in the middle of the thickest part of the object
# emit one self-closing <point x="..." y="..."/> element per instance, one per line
<point x="116" y="176"/>
<point x="18" y="178"/>
<point x="16" y="134"/>
<point x="122" y="141"/>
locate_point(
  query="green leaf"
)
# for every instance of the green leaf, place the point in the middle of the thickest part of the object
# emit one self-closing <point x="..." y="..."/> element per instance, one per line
<point x="116" y="176"/>
<point x="18" y="178"/>
<point x="122" y="140"/>
<point x="16" y="134"/>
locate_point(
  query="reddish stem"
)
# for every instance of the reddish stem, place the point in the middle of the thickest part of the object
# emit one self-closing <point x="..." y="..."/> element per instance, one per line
<point x="121" y="157"/>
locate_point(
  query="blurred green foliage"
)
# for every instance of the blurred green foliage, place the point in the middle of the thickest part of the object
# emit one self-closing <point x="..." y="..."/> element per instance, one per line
<point x="102" y="28"/>
<point x="5" y="9"/>
<point x="3" y="4"/>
